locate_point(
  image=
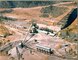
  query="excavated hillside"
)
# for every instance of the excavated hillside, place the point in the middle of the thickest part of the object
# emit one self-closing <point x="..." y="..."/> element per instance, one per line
<point x="70" y="33"/>
<point x="58" y="13"/>
<point x="17" y="19"/>
<point x="3" y="30"/>
<point x="70" y="25"/>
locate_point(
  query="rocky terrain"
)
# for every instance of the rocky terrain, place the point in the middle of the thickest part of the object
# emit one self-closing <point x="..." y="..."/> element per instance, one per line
<point x="16" y="18"/>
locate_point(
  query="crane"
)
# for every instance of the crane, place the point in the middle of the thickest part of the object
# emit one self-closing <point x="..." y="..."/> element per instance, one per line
<point x="21" y="47"/>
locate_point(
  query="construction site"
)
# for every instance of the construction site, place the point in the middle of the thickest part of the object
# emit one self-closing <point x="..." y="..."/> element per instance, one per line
<point x="42" y="30"/>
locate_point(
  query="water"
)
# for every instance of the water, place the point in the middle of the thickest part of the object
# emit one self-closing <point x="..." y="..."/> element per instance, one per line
<point x="71" y="18"/>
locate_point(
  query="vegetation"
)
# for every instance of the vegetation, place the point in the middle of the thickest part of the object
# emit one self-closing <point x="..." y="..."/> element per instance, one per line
<point x="3" y="18"/>
<point x="25" y="4"/>
<point x="6" y="11"/>
<point x="71" y="32"/>
<point x="68" y="35"/>
<point x="44" y="15"/>
<point x="53" y="11"/>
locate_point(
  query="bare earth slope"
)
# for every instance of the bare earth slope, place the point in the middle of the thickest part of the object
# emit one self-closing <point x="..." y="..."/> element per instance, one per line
<point x="27" y="15"/>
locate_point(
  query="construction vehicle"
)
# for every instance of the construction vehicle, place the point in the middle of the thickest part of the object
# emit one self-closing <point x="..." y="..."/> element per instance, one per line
<point x="44" y="49"/>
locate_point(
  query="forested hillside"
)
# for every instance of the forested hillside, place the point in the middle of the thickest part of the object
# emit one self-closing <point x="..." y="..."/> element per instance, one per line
<point x="13" y="4"/>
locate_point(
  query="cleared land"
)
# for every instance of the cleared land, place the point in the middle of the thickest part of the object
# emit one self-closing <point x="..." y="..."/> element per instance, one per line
<point x="20" y="26"/>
